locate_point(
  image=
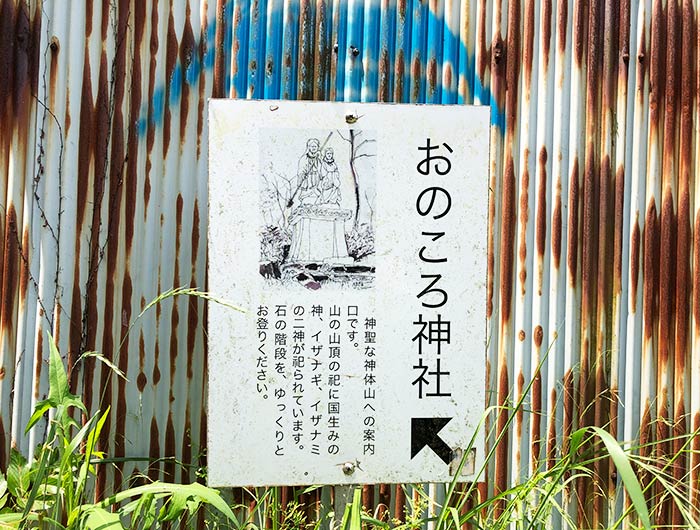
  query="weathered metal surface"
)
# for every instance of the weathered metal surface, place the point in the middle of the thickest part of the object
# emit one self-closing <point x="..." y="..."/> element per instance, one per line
<point x="593" y="239"/>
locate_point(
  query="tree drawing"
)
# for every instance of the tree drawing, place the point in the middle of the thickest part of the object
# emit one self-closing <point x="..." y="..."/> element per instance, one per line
<point x="356" y="143"/>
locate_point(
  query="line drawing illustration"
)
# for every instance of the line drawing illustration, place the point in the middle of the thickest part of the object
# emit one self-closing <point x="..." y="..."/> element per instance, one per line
<point x="317" y="203"/>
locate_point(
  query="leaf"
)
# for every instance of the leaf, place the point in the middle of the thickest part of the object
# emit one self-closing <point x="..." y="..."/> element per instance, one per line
<point x="144" y="509"/>
<point x="104" y="360"/>
<point x="39" y="410"/>
<point x="627" y="474"/>
<point x="576" y="441"/>
<point x="208" y="495"/>
<point x="17" y="475"/>
<point x="356" y="511"/>
<point x="100" y="519"/>
<point x="3" y="485"/>
<point x="59" y="391"/>
<point x="89" y="451"/>
<point x="172" y="509"/>
<point x="455" y="517"/>
<point x="10" y="520"/>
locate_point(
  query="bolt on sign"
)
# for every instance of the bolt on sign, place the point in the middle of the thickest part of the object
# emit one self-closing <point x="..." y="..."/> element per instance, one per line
<point x="354" y="238"/>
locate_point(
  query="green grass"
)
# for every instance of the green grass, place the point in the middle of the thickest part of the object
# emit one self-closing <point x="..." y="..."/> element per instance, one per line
<point x="56" y="488"/>
<point x="52" y="491"/>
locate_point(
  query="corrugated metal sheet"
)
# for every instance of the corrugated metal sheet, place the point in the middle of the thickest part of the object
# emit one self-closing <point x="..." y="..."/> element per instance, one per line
<point x="594" y="223"/>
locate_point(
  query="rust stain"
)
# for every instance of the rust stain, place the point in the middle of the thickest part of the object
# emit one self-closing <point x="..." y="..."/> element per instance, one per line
<point x="185" y="471"/>
<point x="684" y="239"/>
<point x="569" y="399"/>
<point x="402" y="10"/>
<point x="524" y="217"/>
<point x="127" y="292"/>
<point x="432" y="75"/>
<point x="88" y="19"/>
<point x="528" y="48"/>
<point x="448" y="76"/>
<point x="416" y="74"/>
<point x="154" y="451"/>
<point x="141" y="379"/>
<point x="54" y="46"/>
<point x="546" y="31"/>
<point x="86" y="147"/>
<point x="696" y="272"/>
<point x="605" y="236"/>
<point x="24" y="273"/>
<point x="131" y="176"/>
<point x="619" y="223"/>
<point x="484" y="56"/>
<point x="202" y="100"/>
<point x="656" y="67"/>
<point x="106" y="8"/>
<point x="562" y="20"/>
<point x="579" y="28"/>
<point x="384" y="76"/>
<point x="193" y="303"/>
<point x="624" y="48"/>
<point x="154" y="45"/>
<point x="399" y="75"/>
<point x="520" y="385"/>
<point x="501" y="471"/>
<point x="588" y="235"/>
<point x="491" y="253"/>
<point x="610" y="28"/>
<point x="156" y="370"/>
<point x="10" y="271"/>
<point x="667" y="272"/>
<point x="174" y="321"/>
<point x="507" y="239"/>
<point x="235" y="47"/>
<point x="634" y="263"/>
<point x="171" y="48"/>
<point x="187" y="53"/>
<point x="651" y="253"/>
<point x="169" y="466"/>
<point x="556" y="226"/>
<point x="641" y="60"/>
<point x="175" y="315"/>
<point x="75" y="331"/>
<point x="220" y="53"/>
<point x="541" y="215"/>
<point x="538" y="335"/>
<point x="67" y="118"/>
<point x="521" y="335"/>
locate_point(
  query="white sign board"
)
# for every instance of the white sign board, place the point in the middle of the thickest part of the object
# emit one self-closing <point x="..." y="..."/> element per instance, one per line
<point x="354" y="237"/>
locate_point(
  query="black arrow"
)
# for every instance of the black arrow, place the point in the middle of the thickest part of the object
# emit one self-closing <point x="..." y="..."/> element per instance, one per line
<point x="424" y="431"/>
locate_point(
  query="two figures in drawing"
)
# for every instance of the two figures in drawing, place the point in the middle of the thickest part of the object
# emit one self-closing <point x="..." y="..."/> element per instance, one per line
<point x="317" y="198"/>
<point x="318" y="176"/>
<point x="319" y="222"/>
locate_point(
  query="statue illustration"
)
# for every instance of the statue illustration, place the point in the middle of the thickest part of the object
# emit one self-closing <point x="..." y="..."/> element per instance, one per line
<point x="309" y="172"/>
<point x="329" y="184"/>
<point x="318" y="222"/>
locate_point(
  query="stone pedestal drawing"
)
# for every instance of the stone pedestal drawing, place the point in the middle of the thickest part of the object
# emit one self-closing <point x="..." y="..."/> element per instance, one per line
<point x="318" y="235"/>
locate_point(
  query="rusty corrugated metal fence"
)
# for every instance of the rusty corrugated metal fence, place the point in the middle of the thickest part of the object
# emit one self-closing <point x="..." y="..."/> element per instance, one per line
<point x="594" y="257"/>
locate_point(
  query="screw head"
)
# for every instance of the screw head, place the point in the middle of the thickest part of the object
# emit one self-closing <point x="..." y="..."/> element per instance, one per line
<point x="348" y="468"/>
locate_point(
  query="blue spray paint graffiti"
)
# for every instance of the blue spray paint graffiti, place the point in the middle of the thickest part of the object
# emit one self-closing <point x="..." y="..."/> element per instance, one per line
<point x="349" y="31"/>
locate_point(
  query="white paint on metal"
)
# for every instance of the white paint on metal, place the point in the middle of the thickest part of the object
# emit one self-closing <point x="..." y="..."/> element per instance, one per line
<point x="248" y="139"/>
